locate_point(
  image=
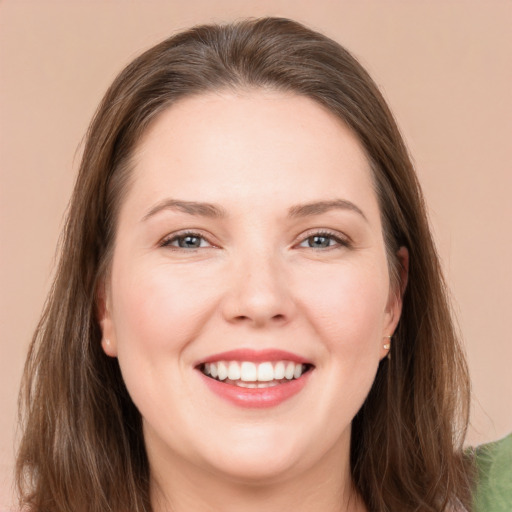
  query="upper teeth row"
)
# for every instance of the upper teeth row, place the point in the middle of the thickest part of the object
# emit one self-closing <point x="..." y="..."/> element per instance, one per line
<point x="248" y="371"/>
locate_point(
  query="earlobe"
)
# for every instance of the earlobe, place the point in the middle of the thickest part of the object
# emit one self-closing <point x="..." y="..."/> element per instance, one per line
<point x="104" y="318"/>
<point x="108" y="347"/>
<point x="386" y="347"/>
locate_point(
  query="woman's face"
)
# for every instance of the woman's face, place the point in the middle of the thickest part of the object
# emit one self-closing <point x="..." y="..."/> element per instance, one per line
<point x="249" y="293"/>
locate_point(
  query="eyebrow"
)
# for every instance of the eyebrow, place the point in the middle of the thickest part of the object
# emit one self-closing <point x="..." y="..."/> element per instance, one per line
<point x="319" y="207"/>
<point x="189" y="207"/>
<point x="215" y="211"/>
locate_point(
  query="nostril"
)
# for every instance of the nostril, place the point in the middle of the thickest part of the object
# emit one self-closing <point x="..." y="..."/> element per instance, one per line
<point x="247" y="318"/>
<point x="257" y="306"/>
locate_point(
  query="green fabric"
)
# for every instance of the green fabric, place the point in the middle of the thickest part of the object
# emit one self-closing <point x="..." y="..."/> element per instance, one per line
<point x="494" y="489"/>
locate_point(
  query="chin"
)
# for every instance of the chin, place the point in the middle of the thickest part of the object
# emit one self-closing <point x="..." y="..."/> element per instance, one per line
<point x="263" y="470"/>
<point x="261" y="456"/>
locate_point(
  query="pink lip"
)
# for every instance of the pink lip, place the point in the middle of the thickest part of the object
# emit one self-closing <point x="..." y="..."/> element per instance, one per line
<point x="256" y="397"/>
<point x="256" y="356"/>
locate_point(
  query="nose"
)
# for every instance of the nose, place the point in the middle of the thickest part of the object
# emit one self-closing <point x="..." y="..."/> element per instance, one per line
<point x="259" y="292"/>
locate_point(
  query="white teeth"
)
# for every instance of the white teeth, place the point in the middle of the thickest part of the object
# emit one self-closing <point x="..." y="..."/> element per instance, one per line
<point x="222" y="370"/>
<point x="246" y="372"/>
<point x="279" y="371"/>
<point x="265" y="372"/>
<point x="233" y="371"/>
<point x="254" y="385"/>
<point x="290" y="371"/>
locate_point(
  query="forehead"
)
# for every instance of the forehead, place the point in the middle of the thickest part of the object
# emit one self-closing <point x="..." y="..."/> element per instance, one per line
<point x="287" y="147"/>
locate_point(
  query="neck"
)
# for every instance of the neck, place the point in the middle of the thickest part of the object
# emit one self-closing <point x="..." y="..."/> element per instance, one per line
<point x="211" y="494"/>
<point x="179" y="486"/>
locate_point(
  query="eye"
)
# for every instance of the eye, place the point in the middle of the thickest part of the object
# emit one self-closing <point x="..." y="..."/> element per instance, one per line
<point x="323" y="240"/>
<point x="187" y="240"/>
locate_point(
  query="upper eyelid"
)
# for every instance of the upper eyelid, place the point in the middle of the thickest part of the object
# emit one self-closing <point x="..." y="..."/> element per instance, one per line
<point x="187" y="232"/>
<point x="324" y="232"/>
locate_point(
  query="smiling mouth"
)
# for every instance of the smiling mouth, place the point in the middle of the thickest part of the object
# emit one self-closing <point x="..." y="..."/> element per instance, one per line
<point x="247" y="374"/>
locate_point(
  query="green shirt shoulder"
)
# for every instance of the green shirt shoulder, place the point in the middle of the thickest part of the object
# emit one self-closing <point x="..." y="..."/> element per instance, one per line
<point x="494" y="485"/>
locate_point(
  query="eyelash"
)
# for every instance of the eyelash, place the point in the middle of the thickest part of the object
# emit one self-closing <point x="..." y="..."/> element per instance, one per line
<point x="166" y="242"/>
<point x="339" y="241"/>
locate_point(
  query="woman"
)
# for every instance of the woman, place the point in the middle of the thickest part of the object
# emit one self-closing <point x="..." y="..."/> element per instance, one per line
<point x="249" y="310"/>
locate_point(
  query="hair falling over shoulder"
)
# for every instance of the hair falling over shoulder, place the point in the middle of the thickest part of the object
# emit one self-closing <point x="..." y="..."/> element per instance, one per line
<point x="82" y="447"/>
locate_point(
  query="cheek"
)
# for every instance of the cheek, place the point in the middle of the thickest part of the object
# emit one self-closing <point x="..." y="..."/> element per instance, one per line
<point x="158" y="308"/>
<point x="157" y="312"/>
<point x="348" y="309"/>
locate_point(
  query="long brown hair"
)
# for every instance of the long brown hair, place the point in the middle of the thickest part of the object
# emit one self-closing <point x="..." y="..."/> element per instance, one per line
<point x="83" y="448"/>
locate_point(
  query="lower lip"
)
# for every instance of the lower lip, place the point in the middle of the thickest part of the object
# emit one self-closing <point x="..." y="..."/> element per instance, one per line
<point x="256" y="397"/>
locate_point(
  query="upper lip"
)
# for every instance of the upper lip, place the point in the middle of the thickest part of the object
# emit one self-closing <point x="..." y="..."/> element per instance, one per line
<point x="256" y="356"/>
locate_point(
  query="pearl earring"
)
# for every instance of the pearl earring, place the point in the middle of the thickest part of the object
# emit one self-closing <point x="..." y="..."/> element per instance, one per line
<point x="387" y="346"/>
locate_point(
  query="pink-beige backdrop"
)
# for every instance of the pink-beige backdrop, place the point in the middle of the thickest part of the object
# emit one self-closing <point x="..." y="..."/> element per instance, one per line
<point x="444" y="66"/>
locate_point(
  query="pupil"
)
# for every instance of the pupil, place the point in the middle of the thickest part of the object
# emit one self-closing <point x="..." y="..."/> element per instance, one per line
<point x="319" y="241"/>
<point x="190" y="241"/>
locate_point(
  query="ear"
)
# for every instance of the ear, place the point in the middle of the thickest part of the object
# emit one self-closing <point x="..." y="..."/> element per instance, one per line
<point x="104" y="316"/>
<point x="395" y="301"/>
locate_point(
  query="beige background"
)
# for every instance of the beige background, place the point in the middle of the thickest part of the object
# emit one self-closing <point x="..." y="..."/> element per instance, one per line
<point x="445" y="67"/>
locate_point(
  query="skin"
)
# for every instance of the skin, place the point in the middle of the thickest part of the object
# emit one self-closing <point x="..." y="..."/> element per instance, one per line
<point x="254" y="282"/>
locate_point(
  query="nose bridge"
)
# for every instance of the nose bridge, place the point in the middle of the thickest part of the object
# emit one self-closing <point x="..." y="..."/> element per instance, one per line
<point x="259" y="290"/>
